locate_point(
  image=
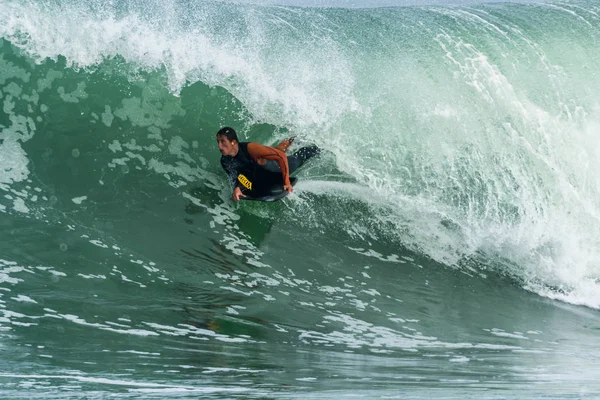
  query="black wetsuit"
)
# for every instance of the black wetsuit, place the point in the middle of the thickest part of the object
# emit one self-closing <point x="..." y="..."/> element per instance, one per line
<point x="242" y="169"/>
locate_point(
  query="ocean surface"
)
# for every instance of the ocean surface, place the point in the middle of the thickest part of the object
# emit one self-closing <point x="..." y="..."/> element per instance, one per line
<point x="446" y="244"/>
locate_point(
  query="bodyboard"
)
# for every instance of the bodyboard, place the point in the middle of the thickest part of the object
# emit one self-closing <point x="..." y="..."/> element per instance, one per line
<point x="273" y="193"/>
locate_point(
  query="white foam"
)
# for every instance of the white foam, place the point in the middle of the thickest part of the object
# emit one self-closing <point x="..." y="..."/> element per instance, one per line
<point x="501" y="333"/>
<point x="585" y="292"/>
<point x="24" y="299"/>
<point x="147" y="387"/>
<point x="79" y="200"/>
<point x="200" y="390"/>
<point x="14" y="160"/>
<point x="98" y="243"/>
<point x="91" y="276"/>
<point x="74" y="96"/>
<point x="19" y="205"/>
<point x="213" y="370"/>
<point x="358" y="334"/>
<point x="139" y="352"/>
<point x="81" y="321"/>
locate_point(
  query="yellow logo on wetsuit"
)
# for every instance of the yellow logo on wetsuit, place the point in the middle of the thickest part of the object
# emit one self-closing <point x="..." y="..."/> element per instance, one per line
<point x="244" y="181"/>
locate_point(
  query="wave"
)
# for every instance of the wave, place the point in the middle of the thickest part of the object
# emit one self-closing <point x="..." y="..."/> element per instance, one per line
<point x="466" y="134"/>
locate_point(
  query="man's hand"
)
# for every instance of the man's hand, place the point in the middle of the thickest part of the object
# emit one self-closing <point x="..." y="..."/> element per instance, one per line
<point x="237" y="194"/>
<point x="289" y="188"/>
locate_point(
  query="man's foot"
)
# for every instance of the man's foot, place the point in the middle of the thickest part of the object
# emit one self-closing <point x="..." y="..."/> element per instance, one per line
<point x="285" y="144"/>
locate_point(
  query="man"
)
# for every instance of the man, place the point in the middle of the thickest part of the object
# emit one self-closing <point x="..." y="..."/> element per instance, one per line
<point x="253" y="168"/>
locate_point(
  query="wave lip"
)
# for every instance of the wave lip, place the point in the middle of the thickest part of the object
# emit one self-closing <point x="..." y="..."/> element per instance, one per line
<point x="239" y="48"/>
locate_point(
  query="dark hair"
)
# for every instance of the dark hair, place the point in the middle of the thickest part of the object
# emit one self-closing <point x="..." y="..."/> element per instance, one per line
<point x="229" y="133"/>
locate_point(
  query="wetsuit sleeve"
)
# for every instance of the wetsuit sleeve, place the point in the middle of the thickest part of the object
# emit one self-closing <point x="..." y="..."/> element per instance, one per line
<point x="257" y="151"/>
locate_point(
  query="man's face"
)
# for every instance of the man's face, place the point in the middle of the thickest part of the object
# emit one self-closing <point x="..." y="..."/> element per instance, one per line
<point x="227" y="147"/>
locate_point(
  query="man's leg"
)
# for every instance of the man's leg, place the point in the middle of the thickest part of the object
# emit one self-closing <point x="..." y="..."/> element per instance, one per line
<point x="299" y="157"/>
<point x="295" y="160"/>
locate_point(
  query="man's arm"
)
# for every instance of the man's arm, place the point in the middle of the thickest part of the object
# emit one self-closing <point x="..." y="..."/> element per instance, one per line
<point x="257" y="150"/>
<point x="229" y="168"/>
<point x="226" y="163"/>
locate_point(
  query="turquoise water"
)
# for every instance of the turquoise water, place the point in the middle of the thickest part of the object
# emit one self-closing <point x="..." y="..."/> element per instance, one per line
<point x="445" y="245"/>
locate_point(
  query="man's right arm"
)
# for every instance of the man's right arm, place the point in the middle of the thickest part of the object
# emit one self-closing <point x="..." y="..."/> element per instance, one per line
<point x="237" y="194"/>
<point x="228" y="167"/>
<point x="230" y="170"/>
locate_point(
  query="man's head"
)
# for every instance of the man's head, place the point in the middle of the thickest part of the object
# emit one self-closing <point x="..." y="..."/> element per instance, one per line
<point x="227" y="141"/>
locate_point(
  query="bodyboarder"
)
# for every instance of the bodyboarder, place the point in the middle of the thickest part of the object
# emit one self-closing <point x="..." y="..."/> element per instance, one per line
<point x="253" y="167"/>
